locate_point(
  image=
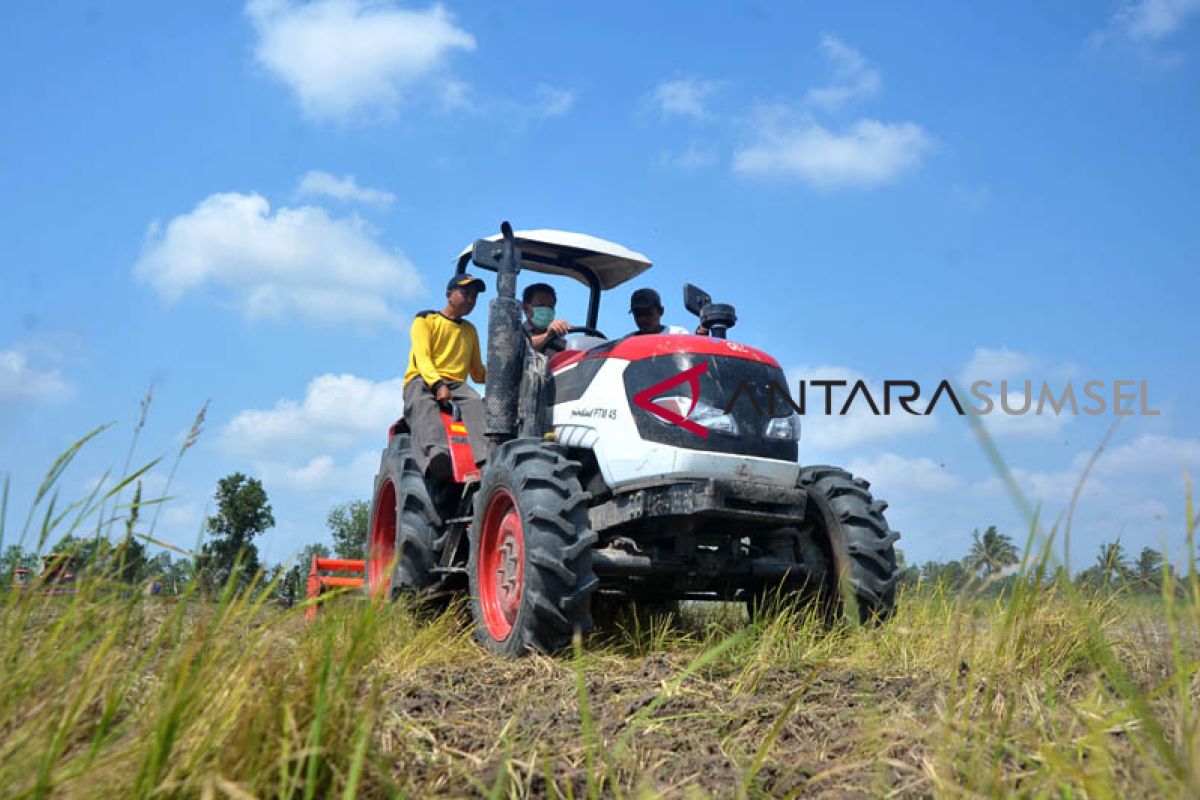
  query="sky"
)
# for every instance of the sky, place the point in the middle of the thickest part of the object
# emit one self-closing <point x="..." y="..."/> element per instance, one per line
<point x="244" y="205"/>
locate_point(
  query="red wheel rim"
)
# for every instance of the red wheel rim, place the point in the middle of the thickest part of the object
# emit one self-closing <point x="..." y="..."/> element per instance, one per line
<point x="501" y="564"/>
<point x="382" y="553"/>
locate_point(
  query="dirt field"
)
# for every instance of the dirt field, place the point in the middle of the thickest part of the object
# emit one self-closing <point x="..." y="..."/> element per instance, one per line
<point x="827" y="729"/>
<point x="1052" y="696"/>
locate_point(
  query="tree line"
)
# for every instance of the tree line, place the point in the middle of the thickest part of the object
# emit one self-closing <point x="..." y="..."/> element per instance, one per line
<point x="993" y="555"/>
<point x="229" y="553"/>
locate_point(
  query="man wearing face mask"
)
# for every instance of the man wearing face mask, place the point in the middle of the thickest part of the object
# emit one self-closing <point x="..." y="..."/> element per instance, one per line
<point x="545" y="332"/>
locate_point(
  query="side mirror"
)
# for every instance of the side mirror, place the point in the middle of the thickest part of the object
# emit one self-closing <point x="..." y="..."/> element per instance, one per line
<point x="717" y="317"/>
<point x="695" y="299"/>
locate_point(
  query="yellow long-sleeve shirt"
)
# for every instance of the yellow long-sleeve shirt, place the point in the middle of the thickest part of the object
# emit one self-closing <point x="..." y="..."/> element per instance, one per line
<point x="443" y="349"/>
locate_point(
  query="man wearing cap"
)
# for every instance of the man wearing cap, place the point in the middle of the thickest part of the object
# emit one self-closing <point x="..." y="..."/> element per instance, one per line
<point x="647" y="310"/>
<point x="445" y="350"/>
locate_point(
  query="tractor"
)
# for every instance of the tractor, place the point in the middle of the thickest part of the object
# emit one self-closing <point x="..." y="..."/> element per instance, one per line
<point x="623" y="470"/>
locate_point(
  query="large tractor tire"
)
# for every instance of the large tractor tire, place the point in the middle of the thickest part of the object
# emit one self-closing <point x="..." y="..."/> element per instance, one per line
<point x="404" y="530"/>
<point x="846" y="528"/>
<point x="530" y="563"/>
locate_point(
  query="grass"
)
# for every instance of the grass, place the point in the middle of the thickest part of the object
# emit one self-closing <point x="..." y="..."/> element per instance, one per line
<point x="1043" y="692"/>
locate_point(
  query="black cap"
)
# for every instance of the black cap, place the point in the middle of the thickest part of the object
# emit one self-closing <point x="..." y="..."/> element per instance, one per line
<point x="463" y="281"/>
<point x="644" y="298"/>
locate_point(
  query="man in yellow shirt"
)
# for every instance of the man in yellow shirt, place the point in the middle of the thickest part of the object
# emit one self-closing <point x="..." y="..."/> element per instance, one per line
<point x="445" y="350"/>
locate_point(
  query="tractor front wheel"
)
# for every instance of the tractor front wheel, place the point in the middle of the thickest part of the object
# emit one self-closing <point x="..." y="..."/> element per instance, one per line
<point x="530" y="563"/>
<point x="848" y="525"/>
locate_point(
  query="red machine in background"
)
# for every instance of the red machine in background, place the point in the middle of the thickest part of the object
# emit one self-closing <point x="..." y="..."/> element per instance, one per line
<point x="57" y="575"/>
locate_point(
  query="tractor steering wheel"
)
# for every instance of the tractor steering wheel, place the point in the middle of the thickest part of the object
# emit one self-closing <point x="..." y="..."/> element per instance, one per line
<point x="584" y="329"/>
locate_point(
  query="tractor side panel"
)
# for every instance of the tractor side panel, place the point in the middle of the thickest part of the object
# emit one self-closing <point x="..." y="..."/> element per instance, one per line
<point x="462" y="457"/>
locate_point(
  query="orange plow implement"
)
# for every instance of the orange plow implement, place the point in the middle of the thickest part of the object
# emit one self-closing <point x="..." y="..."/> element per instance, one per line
<point x="317" y="583"/>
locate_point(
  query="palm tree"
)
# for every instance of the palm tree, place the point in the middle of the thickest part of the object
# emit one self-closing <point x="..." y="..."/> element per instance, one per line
<point x="991" y="552"/>
<point x="1112" y="561"/>
<point x="1149" y="567"/>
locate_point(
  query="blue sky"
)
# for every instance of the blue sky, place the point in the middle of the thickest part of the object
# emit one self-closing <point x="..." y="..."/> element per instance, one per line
<point x="247" y="202"/>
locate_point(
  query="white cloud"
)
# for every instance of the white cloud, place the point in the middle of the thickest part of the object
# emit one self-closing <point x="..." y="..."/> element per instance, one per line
<point x="338" y="412"/>
<point x="853" y="78"/>
<point x="1011" y="375"/>
<point x="1029" y="424"/>
<point x="683" y="97"/>
<point x="1151" y="454"/>
<point x="694" y="157"/>
<point x="322" y="184"/>
<point x="1147" y="21"/>
<point x="822" y="433"/>
<point x="22" y="383"/>
<point x="334" y="478"/>
<point x="868" y="153"/>
<point x="1127" y="472"/>
<point x="295" y="261"/>
<point x="310" y="476"/>
<point x="456" y="96"/>
<point x="996" y="363"/>
<point x="343" y="56"/>
<point x="546" y="102"/>
<point x="328" y="442"/>
<point x="552" y="102"/>
<point x="890" y="473"/>
<point x="1054" y="488"/>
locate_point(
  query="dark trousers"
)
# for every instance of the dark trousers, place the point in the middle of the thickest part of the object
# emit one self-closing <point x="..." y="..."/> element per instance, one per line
<point x="424" y="420"/>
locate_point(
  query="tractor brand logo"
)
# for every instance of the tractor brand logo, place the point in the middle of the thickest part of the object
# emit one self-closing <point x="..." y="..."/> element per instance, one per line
<point x="645" y="399"/>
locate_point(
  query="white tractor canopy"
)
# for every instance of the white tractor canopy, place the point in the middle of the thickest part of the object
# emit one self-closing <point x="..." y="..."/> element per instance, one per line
<point x="596" y="263"/>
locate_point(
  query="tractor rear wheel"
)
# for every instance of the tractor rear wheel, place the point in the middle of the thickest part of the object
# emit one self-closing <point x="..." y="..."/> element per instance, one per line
<point x="848" y="526"/>
<point x="530" y="563"/>
<point x="404" y="532"/>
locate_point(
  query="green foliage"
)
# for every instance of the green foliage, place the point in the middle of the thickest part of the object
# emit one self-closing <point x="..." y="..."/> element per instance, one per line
<point x="172" y="574"/>
<point x="310" y="551"/>
<point x="243" y="512"/>
<point x="347" y="524"/>
<point x="990" y="553"/>
<point x="16" y="557"/>
<point x="952" y="574"/>
<point x="1113" y="571"/>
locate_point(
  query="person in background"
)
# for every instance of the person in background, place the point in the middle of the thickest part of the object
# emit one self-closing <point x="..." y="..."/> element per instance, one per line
<point x="647" y="309"/>
<point x="444" y="351"/>
<point x="545" y="332"/>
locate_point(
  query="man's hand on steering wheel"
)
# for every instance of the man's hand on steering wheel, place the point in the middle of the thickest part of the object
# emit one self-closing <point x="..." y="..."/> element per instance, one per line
<point x="559" y="327"/>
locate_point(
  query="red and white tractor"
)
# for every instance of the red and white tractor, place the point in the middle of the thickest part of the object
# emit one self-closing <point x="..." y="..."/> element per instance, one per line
<point x="646" y="468"/>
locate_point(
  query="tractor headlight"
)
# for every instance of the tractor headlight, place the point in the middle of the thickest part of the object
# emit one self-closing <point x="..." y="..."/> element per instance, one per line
<point x="714" y="419"/>
<point x="785" y="429"/>
<point x="710" y="417"/>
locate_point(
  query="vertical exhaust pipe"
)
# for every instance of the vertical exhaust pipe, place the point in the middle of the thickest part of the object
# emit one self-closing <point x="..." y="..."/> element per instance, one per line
<point x="506" y="344"/>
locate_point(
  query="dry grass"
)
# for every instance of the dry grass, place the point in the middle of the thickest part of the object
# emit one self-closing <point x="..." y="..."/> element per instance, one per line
<point x="104" y="695"/>
<point x="1043" y="693"/>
